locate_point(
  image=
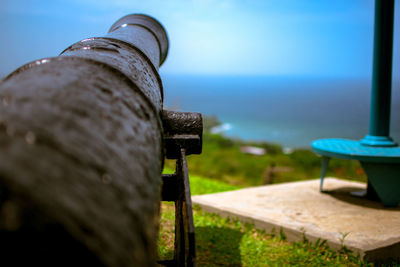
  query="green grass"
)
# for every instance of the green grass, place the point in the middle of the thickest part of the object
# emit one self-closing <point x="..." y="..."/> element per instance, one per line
<point x="222" y="160"/>
<point x="226" y="242"/>
<point x="201" y="185"/>
<point x="222" y="241"/>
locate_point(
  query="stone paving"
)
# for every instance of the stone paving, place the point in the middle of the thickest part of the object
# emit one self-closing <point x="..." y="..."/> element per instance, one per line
<point x="337" y="216"/>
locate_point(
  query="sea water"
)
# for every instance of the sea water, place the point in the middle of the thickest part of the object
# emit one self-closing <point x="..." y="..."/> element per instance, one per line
<point x="291" y="111"/>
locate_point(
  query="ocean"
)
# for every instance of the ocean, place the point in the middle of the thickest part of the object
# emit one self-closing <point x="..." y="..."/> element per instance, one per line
<point x="291" y="111"/>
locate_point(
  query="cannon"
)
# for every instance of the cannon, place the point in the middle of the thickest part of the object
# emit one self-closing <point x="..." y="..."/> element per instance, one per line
<point x="83" y="138"/>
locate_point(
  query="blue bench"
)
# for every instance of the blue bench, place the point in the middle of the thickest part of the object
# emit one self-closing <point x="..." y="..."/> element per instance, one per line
<point x="378" y="154"/>
<point x="381" y="164"/>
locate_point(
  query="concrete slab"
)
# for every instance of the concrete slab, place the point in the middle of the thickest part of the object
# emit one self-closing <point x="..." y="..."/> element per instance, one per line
<point x="364" y="226"/>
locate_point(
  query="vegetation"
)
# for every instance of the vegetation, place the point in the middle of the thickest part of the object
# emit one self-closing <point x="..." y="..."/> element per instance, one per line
<point x="227" y="242"/>
<point x="222" y="160"/>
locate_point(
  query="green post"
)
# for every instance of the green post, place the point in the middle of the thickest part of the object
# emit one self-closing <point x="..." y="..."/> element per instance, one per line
<point x="382" y="76"/>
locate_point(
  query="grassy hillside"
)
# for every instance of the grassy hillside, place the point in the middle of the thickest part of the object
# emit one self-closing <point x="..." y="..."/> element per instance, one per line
<point x="222" y="160"/>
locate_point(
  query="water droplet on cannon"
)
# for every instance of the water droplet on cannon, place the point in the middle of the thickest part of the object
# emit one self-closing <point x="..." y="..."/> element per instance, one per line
<point x="106" y="178"/>
<point x="5" y="100"/>
<point x="116" y="96"/>
<point x="30" y="138"/>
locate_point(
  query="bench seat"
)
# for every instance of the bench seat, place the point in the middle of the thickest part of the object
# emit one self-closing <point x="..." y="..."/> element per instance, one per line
<point x="351" y="149"/>
<point x="381" y="164"/>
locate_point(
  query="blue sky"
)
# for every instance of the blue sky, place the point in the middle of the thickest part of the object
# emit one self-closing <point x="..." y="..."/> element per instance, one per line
<point x="318" y="38"/>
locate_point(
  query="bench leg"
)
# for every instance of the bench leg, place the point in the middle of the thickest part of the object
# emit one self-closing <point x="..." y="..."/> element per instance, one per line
<point x="385" y="180"/>
<point x="324" y="167"/>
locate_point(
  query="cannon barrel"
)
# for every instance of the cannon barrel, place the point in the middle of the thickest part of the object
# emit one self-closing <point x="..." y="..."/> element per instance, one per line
<point x="81" y="152"/>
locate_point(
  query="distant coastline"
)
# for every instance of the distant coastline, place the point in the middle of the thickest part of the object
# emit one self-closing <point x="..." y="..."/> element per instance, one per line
<point x="291" y="111"/>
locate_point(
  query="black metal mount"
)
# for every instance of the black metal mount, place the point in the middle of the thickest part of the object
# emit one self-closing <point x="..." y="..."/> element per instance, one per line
<point x="182" y="130"/>
<point x="182" y="136"/>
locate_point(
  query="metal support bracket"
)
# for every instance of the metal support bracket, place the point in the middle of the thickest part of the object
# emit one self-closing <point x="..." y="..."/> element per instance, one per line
<point x="182" y="136"/>
<point x="324" y="162"/>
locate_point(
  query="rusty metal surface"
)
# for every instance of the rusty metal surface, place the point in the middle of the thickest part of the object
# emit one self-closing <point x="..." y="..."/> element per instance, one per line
<point x="151" y="25"/>
<point x="188" y="251"/>
<point x="80" y="158"/>
<point x="125" y="57"/>
<point x="176" y="187"/>
<point x="182" y="136"/>
<point x="170" y="188"/>
<point x="182" y="129"/>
